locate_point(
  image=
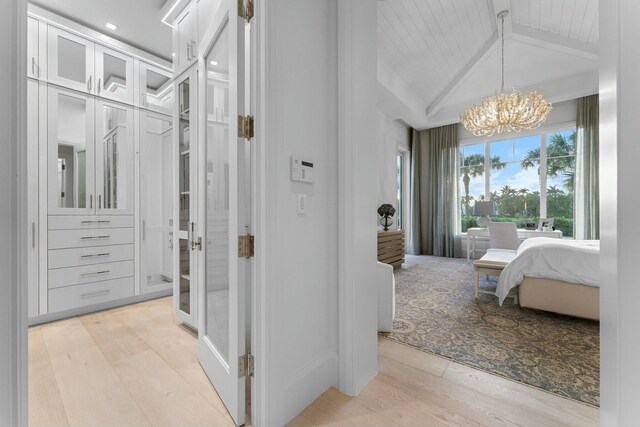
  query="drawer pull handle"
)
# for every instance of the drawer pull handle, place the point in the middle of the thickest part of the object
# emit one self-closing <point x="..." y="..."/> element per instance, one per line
<point x="96" y="273"/>
<point x="95" y="255"/>
<point x="94" y="237"/>
<point x="95" y="294"/>
<point x="95" y="222"/>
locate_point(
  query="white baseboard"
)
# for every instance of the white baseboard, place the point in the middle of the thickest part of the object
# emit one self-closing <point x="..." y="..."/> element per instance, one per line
<point x="321" y="373"/>
<point x="52" y="317"/>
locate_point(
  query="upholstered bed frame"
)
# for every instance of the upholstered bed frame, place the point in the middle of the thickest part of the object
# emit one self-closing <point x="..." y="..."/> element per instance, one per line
<point x="560" y="297"/>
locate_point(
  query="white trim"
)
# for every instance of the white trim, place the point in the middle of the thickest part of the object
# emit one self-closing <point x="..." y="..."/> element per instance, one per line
<point x="20" y="201"/>
<point x="514" y="135"/>
<point x="543" y="176"/>
<point x="79" y="311"/>
<point x="263" y="185"/>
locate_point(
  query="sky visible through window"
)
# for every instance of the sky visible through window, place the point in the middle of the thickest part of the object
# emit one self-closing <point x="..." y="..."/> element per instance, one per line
<point x="514" y="180"/>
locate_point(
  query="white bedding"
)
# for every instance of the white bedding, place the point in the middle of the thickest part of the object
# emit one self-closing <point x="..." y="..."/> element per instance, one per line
<point x="573" y="261"/>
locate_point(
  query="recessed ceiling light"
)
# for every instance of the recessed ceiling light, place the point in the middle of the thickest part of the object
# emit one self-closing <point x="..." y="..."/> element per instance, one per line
<point x="214" y="63"/>
<point x="111" y="26"/>
<point x="173" y="54"/>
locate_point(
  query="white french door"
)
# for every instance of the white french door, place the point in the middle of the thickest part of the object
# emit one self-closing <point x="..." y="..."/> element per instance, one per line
<point x="225" y="210"/>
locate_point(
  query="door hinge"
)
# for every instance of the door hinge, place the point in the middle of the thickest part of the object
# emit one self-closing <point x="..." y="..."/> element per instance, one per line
<point x="245" y="9"/>
<point x="197" y="244"/>
<point x="245" y="365"/>
<point x="245" y="246"/>
<point x="245" y="127"/>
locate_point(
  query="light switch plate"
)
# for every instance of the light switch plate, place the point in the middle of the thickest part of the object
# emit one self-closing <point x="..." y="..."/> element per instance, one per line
<point x="302" y="204"/>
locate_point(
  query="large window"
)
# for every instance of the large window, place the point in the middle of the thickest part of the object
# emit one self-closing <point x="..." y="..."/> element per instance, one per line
<point x="400" y="189"/>
<point x="527" y="178"/>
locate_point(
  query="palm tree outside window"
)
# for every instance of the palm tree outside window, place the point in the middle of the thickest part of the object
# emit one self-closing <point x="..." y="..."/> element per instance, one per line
<point x="527" y="177"/>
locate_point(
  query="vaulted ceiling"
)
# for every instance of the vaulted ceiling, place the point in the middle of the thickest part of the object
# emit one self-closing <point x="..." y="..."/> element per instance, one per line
<point x="437" y="57"/>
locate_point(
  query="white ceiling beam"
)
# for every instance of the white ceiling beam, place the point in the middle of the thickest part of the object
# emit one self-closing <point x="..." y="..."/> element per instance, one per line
<point x="555" y="42"/>
<point x="495" y="7"/>
<point x="478" y="59"/>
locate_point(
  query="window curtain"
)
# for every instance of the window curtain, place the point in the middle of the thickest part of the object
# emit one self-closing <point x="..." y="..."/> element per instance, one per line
<point x="587" y="212"/>
<point x="415" y="230"/>
<point x="442" y="190"/>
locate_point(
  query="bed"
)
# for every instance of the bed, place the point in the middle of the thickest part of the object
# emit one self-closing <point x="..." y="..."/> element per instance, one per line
<point x="562" y="276"/>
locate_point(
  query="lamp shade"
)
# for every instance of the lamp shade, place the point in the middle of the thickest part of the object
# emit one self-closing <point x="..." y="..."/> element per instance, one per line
<point x="486" y="208"/>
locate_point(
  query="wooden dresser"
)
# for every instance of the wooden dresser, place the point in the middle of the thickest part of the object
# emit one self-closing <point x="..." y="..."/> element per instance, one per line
<point x="391" y="247"/>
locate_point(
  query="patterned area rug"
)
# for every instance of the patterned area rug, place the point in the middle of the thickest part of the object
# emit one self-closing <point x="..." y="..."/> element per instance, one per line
<point x="436" y="312"/>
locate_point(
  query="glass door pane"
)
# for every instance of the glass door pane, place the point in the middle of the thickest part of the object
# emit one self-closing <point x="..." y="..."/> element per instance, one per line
<point x="156" y="203"/>
<point x="114" y="139"/>
<point x="217" y="195"/>
<point x="70" y="60"/>
<point x="71" y="152"/>
<point x="158" y="89"/>
<point x="184" y="145"/>
<point x="184" y="289"/>
<point x="114" y="74"/>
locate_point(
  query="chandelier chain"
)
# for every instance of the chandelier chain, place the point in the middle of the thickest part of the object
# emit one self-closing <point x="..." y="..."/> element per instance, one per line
<point x="502" y="85"/>
<point x="506" y="111"/>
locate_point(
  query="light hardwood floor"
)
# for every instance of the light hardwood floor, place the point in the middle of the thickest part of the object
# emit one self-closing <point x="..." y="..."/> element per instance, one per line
<point x="137" y="366"/>
<point x="131" y="366"/>
<point x="414" y="388"/>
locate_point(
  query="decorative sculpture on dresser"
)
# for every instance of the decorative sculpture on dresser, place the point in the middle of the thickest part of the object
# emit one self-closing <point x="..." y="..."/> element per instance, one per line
<point x="386" y="211"/>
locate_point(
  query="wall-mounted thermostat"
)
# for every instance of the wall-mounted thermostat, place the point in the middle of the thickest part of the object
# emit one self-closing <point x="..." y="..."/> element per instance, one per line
<point x="302" y="171"/>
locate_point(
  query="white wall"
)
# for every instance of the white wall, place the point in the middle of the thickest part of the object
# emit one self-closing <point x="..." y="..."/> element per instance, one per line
<point x="302" y="270"/>
<point x="314" y="271"/>
<point x="357" y="49"/>
<point x="619" y="206"/>
<point x="12" y="132"/>
<point x="392" y="135"/>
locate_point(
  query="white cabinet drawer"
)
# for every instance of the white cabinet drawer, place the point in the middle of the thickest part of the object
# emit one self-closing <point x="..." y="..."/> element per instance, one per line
<point x="88" y="222"/>
<point x="62" y="239"/>
<point x="61" y="277"/>
<point x="88" y="294"/>
<point x="61" y="258"/>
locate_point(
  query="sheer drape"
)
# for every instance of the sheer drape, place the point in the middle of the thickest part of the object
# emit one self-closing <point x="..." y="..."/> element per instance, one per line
<point x="415" y="247"/>
<point x="442" y="190"/>
<point x="587" y="213"/>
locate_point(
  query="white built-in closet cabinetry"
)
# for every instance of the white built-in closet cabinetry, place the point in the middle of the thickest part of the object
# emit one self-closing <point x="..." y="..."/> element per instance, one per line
<point x="190" y="21"/>
<point x="101" y="171"/>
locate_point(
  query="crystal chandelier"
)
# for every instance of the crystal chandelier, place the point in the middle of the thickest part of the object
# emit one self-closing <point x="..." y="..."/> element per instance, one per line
<point x="506" y="111"/>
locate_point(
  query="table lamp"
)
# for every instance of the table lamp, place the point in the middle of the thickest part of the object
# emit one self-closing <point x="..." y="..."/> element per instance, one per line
<point x="483" y="210"/>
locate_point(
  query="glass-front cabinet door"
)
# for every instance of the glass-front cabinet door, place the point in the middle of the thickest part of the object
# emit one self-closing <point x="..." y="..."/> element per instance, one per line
<point x="114" y="74"/>
<point x="156" y="202"/>
<point x="184" y="286"/>
<point x="156" y="89"/>
<point x="70" y="60"/>
<point x="114" y="158"/>
<point x="70" y="154"/>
